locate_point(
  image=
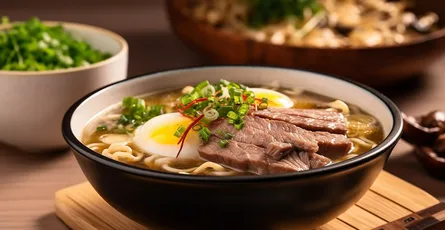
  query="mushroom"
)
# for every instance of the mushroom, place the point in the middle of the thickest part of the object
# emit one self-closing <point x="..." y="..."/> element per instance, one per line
<point x="432" y="163"/>
<point x="425" y="23"/>
<point x="427" y="134"/>
<point x="435" y="119"/>
<point x="417" y="134"/>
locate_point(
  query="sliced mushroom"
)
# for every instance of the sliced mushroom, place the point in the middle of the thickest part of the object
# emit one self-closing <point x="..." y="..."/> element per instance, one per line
<point x="416" y="134"/>
<point x="434" y="119"/>
<point x="428" y="136"/>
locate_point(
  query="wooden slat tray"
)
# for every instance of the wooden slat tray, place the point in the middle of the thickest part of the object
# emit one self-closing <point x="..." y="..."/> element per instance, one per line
<point x="391" y="203"/>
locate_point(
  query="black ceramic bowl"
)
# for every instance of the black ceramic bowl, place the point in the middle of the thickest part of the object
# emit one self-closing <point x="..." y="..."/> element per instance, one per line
<point x="300" y="200"/>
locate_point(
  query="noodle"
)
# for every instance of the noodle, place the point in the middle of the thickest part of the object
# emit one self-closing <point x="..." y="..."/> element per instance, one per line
<point x="122" y="152"/>
<point x="363" y="130"/>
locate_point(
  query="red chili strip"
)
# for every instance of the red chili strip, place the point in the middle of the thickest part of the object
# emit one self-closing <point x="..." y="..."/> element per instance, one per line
<point x="182" y="140"/>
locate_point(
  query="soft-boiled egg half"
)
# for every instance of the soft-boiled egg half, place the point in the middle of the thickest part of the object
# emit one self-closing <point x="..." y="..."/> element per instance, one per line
<point x="156" y="136"/>
<point x="275" y="99"/>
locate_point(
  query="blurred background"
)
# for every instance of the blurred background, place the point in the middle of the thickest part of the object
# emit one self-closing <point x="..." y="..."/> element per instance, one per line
<point x="142" y="23"/>
<point x="153" y="47"/>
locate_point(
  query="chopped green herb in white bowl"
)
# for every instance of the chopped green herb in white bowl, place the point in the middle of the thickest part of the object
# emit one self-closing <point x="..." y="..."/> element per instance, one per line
<point x="44" y="68"/>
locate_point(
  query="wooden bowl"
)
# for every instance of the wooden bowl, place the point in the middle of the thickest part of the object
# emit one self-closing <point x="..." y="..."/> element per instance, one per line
<point x="373" y="66"/>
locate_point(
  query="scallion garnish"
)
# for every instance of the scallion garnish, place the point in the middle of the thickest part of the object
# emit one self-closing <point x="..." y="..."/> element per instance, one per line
<point x="223" y="143"/>
<point x="207" y="102"/>
<point x="101" y="128"/>
<point x="135" y="113"/>
<point x="181" y="129"/>
<point x="204" y="134"/>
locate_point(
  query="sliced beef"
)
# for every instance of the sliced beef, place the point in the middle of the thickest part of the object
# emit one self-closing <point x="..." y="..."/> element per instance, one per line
<point x="302" y="160"/>
<point x="319" y="114"/>
<point x="310" y="119"/>
<point x="251" y="158"/>
<point x="262" y="132"/>
<point x="277" y="150"/>
<point x="276" y="136"/>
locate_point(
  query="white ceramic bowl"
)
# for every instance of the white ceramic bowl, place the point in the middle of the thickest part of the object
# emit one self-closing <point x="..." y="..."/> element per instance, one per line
<point x="32" y="104"/>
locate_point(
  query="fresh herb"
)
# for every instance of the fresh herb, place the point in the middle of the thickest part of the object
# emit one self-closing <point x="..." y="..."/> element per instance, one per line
<point x="101" y="128"/>
<point x="209" y="102"/>
<point x="264" y="103"/>
<point x="224" y="99"/>
<point x="134" y="114"/>
<point x="34" y="46"/>
<point x="263" y="12"/>
<point x="223" y="143"/>
<point x="181" y="129"/>
<point x="204" y="134"/>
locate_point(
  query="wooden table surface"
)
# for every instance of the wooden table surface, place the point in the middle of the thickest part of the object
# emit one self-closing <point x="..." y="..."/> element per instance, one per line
<point x="28" y="181"/>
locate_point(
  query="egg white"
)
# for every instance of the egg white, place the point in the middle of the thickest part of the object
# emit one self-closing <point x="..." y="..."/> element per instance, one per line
<point x="276" y="99"/>
<point x="156" y="136"/>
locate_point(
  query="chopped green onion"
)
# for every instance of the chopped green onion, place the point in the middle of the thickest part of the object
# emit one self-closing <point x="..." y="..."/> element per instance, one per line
<point x="101" y="128"/>
<point x="124" y="119"/>
<point x="223" y="110"/>
<point x="223" y="143"/>
<point x="232" y="115"/>
<point x="264" y="100"/>
<point x="239" y="126"/>
<point x="211" y="114"/>
<point x="228" y="136"/>
<point x="262" y="105"/>
<point x="181" y="129"/>
<point x="208" y="91"/>
<point x="224" y="82"/>
<point x="201" y="86"/>
<point x="186" y="99"/>
<point x="135" y="112"/>
<point x="35" y="46"/>
<point x="230" y="121"/>
<point x="204" y="134"/>
<point x="243" y="109"/>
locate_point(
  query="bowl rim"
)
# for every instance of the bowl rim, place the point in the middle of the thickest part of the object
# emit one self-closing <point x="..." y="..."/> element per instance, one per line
<point x="122" y="42"/>
<point x="386" y="145"/>
<point x="440" y="33"/>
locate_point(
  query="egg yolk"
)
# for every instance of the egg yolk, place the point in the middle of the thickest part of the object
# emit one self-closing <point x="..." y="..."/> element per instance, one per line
<point x="165" y="134"/>
<point x="273" y="99"/>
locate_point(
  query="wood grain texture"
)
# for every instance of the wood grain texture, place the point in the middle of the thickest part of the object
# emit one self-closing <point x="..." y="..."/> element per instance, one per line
<point x="28" y="181"/>
<point x="82" y="208"/>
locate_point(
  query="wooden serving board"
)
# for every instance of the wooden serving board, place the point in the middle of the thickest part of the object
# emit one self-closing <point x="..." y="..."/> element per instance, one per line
<point x="390" y="204"/>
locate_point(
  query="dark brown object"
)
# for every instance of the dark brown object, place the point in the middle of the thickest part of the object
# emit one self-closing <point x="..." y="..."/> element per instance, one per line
<point x="429" y="141"/>
<point x="431" y="218"/>
<point x="417" y="134"/>
<point x="432" y="163"/>
<point x="439" y="145"/>
<point x="372" y="66"/>
<point x="434" y="119"/>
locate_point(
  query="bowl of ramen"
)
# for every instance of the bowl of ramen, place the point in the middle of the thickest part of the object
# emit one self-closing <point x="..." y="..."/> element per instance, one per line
<point x="231" y="143"/>
<point x="375" y="42"/>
